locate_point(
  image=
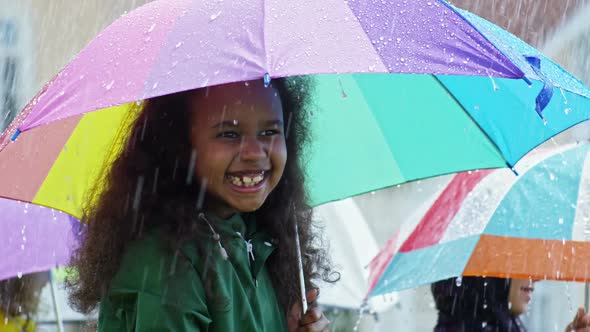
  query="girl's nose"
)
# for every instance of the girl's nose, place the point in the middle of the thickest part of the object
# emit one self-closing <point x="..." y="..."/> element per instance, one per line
<point x="253" y="149"/>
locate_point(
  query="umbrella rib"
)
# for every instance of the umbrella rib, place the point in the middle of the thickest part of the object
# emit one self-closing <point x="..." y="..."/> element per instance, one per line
<point x="473" y="120"/>
<point x="510" y="61"/>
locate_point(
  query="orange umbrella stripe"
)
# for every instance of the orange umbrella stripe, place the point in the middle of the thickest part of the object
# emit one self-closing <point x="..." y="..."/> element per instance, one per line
<point x="499" y="256"/>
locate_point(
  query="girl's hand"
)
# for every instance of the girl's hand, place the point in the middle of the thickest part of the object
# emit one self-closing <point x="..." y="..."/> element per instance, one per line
<point x="313" y="320"/>
<point x="581" y="322"/>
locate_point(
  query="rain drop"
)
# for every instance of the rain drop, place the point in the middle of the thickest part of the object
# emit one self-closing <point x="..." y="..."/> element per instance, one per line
<point x="494" y="85"/>
<point x="213" y="17"/>
<point x="565" y="101"/>
<point x="152" y="27"/>
<point x="110" y="85"/>
<point x="178" y="44"/>
<point x="560" y="221"/>
<point x="459" y="281"/>
<point x="567" y="111"/>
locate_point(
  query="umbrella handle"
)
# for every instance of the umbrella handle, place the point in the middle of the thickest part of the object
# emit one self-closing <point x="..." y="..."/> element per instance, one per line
<point x="301" y="275"/>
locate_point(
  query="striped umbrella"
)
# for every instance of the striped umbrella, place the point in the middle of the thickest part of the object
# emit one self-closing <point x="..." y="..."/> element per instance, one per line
<point x="495" y="223"/>
<point x="404" y="90"/>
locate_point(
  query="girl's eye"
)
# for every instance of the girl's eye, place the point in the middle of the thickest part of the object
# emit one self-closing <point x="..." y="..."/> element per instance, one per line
<point x="228" y="134"/>
<point x="270" y="132"/>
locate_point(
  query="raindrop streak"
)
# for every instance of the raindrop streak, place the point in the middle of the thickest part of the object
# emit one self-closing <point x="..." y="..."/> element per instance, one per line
<point x="191" y="167"/>
<point x="494" y="85"/>
<point x="565" y="101"/>
<point x="213" y="17"/>
<point x="138" y="190"/>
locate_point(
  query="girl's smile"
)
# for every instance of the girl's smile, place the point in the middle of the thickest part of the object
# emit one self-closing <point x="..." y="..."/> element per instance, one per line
<point x="238" y="136"/>
<point x="247" y="181"/>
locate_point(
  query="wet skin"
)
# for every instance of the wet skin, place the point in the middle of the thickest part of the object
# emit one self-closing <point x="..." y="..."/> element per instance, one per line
<point x="238" y="137"/>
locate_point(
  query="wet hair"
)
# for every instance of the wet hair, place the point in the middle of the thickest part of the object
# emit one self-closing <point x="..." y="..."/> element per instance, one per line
<point x="20" y="296"/>
<point x="473" y="301"/>
<point x="150" y="184"/>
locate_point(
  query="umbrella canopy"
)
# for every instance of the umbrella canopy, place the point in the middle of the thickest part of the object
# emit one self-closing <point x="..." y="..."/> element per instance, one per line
<point x="466" y="94"/>
<point x="352" y="246"/>
<point x="494" y="223"/>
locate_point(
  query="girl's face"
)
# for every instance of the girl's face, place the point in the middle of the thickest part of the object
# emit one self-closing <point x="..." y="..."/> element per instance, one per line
<point x="238" y="136"/>
<point x="520" y="294"/>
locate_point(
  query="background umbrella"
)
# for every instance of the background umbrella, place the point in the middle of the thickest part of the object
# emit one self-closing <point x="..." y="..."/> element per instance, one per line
<point x="492" y="99"/>
<point x="494" y="223"/>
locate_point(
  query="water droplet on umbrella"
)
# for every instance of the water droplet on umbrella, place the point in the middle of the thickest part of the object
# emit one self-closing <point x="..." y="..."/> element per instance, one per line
<point x="213" y="17"/>
<point x="110" y="85"/>
<point x="567" y="110"/>
<point x="266" y="80"/>
<point x="560" y="221"/>
<point x="565" y="101"/>
<point x="152" y="27"/>
<point x="494" y="85"/>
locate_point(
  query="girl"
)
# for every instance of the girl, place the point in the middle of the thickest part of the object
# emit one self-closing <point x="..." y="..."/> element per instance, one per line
<point x="193" y="227"/>
<point x="489" y="304"/>
<point x="478" y="304"/>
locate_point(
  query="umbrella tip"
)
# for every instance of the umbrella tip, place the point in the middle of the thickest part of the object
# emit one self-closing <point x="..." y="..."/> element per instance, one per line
<point x="266" y="80"/>
<point x="512" y="169"/>
<point x="16" y="134"/>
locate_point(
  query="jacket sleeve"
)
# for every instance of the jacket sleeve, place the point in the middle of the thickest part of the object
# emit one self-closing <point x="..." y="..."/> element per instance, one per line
<point x="154" y="291"/>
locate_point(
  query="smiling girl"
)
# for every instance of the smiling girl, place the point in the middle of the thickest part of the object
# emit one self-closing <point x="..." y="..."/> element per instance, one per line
<point x="193" y="228"/>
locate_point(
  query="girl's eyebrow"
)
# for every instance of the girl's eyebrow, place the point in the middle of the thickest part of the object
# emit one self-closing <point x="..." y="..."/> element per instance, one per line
<point x="235" y="124"/>
<point x="274" y="123"/>
<point x="226" y="124"/>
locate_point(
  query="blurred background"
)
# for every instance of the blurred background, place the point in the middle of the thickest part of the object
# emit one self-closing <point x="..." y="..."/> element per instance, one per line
<point x="38" y="37"/>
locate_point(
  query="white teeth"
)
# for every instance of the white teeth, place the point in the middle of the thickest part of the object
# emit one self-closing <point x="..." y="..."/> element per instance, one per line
<point x="246" y="181"/>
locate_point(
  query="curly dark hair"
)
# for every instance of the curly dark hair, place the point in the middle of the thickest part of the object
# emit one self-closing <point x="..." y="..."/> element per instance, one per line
<point x="146" y="186"/>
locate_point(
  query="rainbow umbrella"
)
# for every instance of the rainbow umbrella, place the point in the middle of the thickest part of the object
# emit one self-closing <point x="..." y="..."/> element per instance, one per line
<point x="404" y="90"/>
<point x="494" y="223"/>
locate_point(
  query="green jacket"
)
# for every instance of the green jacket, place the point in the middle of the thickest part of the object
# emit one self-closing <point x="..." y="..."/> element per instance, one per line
<point x="155" y="290"/>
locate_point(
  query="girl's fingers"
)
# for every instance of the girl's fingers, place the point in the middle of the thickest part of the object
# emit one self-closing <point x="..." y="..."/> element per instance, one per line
<point x="311" y="316"/>
<point x="320" y="325"/>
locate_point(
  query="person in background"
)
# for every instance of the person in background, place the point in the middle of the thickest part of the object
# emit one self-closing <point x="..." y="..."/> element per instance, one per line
<point x="19" y="299"/>
<point x="488" y="305"/>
